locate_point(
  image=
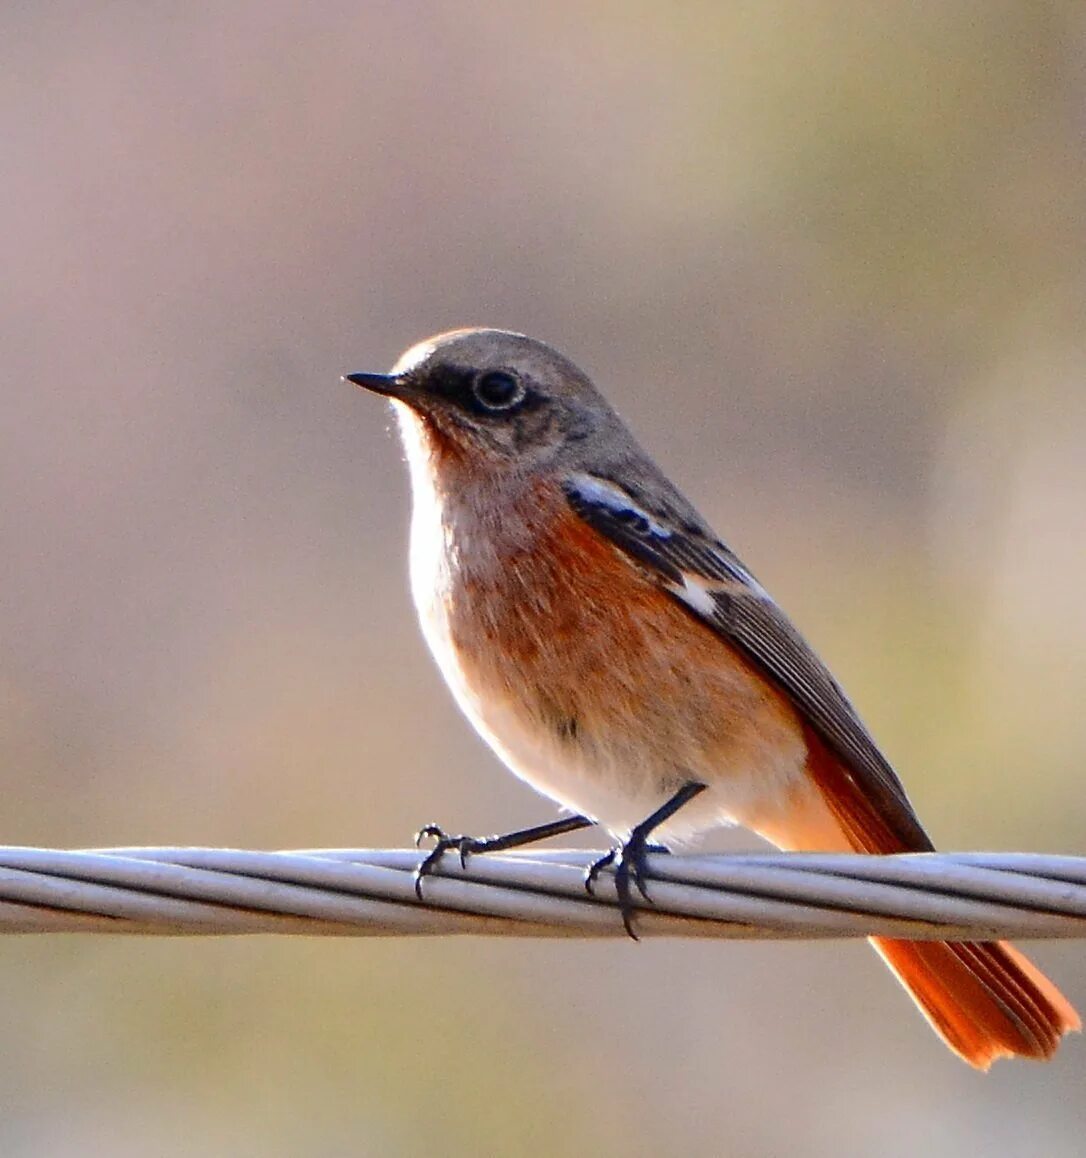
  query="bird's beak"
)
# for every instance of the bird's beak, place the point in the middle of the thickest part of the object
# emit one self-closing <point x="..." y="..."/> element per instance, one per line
<point x="390" y="385"/>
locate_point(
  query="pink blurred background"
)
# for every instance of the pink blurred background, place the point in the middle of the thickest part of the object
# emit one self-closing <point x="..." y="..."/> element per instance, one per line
<point x="829" y="261"/>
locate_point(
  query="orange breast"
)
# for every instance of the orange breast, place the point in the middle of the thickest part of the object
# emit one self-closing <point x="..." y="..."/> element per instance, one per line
<point x="591" y="652"/>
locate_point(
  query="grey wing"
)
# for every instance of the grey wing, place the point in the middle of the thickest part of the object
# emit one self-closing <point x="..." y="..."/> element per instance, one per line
<point x="676" y="547"/>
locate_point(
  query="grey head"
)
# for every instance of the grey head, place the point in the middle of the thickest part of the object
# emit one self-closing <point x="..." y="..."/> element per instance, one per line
<point x="502" y="396"/>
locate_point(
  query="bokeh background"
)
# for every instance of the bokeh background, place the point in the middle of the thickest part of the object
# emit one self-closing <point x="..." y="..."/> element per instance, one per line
<point x="827" y="258"/>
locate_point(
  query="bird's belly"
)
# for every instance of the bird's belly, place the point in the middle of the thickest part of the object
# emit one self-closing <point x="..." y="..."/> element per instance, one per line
<point x="604" y="694"/>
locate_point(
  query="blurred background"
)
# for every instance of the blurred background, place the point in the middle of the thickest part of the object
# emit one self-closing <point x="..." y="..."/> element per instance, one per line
<point x="829" y="261"/>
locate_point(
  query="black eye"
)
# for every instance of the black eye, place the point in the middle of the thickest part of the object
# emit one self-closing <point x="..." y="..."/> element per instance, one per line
<point x="497" y="390"/>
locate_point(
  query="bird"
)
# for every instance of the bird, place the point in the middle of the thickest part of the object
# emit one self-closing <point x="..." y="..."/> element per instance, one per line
<point x="620" y="658"/>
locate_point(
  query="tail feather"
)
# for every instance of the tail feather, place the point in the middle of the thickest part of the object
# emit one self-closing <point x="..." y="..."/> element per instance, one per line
<point x="984" y="999"/>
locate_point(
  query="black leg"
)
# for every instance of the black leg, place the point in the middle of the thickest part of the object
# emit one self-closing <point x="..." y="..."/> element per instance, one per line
<point x="629" y="858"/>
<point x="468" y="845"/>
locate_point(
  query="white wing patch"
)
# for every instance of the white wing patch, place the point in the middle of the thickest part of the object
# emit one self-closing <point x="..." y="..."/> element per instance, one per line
<point x="693" y="567"/>
<point x="700" y="594"/>
<point x="606" y="494"/>
<point x="694" y="595"/>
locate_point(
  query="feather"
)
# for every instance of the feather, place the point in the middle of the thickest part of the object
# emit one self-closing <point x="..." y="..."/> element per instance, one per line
<point x="707" y="578"/>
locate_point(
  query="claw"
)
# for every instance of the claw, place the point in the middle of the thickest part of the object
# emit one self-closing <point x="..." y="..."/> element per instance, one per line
<point x="443" y="843"/>
<point x="468" y="845"/>
<point x="629" y="858"/>
<point x="593" y="871"/>
<point x="629" y="862"/>
<point x="427" y="831"/>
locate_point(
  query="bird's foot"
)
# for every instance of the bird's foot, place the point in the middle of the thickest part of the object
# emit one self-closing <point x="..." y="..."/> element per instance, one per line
<point x="467" y="846"/>
<point x="628" y="861"/>
<point x="464" y="846"/>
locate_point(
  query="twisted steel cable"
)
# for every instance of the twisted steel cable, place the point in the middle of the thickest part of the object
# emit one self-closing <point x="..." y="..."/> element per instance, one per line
<point x="371" y="892"/>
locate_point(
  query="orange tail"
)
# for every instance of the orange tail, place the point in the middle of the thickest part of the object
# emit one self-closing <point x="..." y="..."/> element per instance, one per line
<point x="985" y="1000"/>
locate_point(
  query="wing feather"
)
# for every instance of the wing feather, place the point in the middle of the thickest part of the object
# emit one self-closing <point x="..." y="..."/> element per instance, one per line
<point x="702" y="573"/>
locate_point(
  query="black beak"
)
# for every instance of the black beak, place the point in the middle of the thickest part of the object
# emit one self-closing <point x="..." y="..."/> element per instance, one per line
<point x="387" y="384"/>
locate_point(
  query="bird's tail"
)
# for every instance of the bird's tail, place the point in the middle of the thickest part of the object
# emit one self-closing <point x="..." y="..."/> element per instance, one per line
<point x="984" y="999"/>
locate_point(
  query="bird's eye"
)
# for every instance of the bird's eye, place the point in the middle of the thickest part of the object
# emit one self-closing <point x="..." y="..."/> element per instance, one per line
<point x="497" y="390"/>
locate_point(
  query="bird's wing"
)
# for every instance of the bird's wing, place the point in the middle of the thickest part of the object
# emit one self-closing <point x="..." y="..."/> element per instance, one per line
<point x="676" y="548"/>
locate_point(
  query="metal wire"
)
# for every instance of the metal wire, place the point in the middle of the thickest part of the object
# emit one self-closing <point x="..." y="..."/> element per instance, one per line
<point x="534" y="893"/>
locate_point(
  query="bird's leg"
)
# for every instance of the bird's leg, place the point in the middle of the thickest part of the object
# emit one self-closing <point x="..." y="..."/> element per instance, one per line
<point x="467" y="846"/>
<point x="629" y="858"/>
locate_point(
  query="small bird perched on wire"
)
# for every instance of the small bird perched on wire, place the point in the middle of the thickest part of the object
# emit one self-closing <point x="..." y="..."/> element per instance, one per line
<point x="619" y="657"/>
